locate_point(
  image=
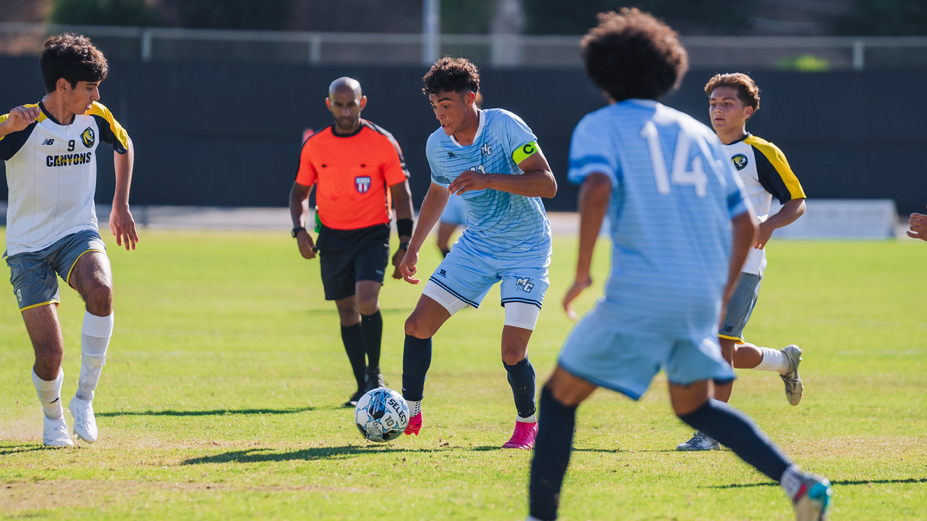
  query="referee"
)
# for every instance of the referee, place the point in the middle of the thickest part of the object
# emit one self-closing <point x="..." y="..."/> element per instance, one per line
<point x="359" y="173"/>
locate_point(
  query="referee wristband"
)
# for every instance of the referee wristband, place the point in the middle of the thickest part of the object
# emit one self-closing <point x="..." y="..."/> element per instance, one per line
<point x="404" y="227"/>
<point x="404" y="246"/>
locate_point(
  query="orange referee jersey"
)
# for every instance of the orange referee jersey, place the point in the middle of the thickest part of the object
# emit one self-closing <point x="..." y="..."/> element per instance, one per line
<point x="352" y="174"/>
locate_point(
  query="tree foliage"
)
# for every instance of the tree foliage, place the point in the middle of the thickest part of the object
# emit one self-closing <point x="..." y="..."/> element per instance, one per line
<point x="702" y="17"/>
<point x="102" y="12"/>
<point x="884" y="18"/>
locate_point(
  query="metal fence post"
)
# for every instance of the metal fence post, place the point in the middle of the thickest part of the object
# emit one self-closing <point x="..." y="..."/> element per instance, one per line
<point x="146" y="45"/>
<point x="859" y="51"/>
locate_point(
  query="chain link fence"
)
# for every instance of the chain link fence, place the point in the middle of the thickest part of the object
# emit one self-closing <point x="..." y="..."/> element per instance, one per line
<point x="318" y="48"/>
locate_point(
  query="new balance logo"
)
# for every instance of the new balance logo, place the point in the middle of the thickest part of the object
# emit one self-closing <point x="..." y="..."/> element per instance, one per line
<point x="450" y="155"/>
<point x="48" y="141"/>
<point x="443" y="273"/>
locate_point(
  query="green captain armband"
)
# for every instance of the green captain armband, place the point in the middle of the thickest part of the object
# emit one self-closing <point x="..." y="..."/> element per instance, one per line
<point x="525" y="151"/>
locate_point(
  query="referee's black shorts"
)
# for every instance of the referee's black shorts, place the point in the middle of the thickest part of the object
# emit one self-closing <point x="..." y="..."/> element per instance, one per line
<point x="347" y="256"/>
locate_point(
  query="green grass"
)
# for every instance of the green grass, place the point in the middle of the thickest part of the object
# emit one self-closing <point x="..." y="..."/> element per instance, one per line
<point x="220" y="399"/>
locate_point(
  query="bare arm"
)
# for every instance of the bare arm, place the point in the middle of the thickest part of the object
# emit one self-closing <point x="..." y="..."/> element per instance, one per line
<point x="918" y="229"/>
<point x="432" y="206"/>
<point x="594" y="196"/>
<point x="402" y="202"/>
<point x="299" y="211"/>
<point x="789" y="213"/>
<point x="536" y="181"/>
<point x="19" y="118"/>
<point x="121" y="222"/>
<point x="744" y="230"/>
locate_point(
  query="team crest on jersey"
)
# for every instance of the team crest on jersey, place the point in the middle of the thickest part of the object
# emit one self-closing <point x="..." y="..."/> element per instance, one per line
<point x="524" y="284"/>
<point x="740" y="161"/>
<point x="486" y="149"/>
<point x="87" y="137"/>
<point x="362" y="183"/>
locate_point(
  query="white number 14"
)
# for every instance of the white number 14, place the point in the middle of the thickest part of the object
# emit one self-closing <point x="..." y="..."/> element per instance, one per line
<point x="681" y="175"/>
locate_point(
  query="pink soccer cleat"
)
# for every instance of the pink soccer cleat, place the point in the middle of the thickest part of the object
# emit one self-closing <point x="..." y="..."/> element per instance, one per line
<point x="415" y="425"/>
<point x="523" y="437"/>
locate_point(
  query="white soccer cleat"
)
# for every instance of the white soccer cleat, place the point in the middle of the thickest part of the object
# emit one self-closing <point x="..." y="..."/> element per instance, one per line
<point x="700" y="441"/>
<point x="793" y="385"/>
<point x="812" y="502"/>
<point x="85" y="423"/>
<point x="55" y="433"/>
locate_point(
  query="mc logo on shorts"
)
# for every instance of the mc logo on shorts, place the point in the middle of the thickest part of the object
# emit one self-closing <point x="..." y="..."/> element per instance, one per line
<point x="524" y="284"/>
<point x="362" y="184"/>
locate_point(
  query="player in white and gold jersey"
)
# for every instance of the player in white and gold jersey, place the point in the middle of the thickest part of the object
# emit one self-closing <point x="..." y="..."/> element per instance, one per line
<point x="50" y="149"/>
<point x="765" y="173"/>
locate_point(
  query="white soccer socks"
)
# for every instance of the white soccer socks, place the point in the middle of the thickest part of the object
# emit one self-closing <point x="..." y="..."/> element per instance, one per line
<point x="773" y="360"/>
<point x="49" y="392"/>
<point x="94" y="341"/>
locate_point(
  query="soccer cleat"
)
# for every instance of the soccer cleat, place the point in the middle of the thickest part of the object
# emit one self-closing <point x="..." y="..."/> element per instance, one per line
<point x="793" y="386"/>
<point x="415" y="425"/>
<point x="812" y="501"/>
<point x="55" y="433"/>
<point x="352" y="401"/>
<point x="373" y="379"/>
<point x="700" y="441"/>
<point x="85" y="423"/>
<point x="523" y="437"/>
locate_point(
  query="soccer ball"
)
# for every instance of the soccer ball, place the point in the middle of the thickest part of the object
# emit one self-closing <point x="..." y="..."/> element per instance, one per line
<point x="381" y="415"/>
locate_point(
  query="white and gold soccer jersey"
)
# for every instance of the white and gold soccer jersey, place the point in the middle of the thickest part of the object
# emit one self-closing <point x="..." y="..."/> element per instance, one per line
<point x="765" y="174"/>
<point x="51" y="171"/>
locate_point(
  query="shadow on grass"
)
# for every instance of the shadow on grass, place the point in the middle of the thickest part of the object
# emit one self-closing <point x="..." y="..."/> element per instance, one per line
<point x="268" y="455"/>
<point x="216" y="412"/>
<point x="835" y="483"/>
<point x="30" y="447"/>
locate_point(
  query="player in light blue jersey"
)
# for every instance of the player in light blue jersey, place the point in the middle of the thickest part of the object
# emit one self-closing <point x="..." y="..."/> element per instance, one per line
<point x="681" y="230"/>
<point x="491" y="159"/>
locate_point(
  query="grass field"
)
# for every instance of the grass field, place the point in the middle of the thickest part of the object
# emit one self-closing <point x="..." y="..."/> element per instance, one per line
<point x="222" y="389"/>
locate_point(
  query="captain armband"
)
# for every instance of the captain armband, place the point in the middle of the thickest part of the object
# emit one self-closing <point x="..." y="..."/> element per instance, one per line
<point x="525" y="151"/>
<point x="404" y="227"/>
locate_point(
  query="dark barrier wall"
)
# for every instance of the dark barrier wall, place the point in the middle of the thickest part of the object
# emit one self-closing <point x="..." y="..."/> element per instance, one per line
<point x="228" y="134"/>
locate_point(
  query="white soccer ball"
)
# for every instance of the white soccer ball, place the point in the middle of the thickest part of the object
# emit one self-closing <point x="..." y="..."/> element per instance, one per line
<point x="381" y="415"/>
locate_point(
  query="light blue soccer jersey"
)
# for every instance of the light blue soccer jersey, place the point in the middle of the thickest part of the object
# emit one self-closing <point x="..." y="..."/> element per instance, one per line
<point x="673" y="196"/>
<point x="499" y="224"/>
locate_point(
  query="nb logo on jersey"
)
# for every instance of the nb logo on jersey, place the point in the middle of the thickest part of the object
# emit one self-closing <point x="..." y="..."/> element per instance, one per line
<point x="450" y="155"/>
<point x="443" y="273"/>
<point x="740" y="161"/>
<point x="486" y="149"/>
<point x="524" y="284"/>
<point x="87" y="137"/>
<point x="362" y="184"/>
<point x="48" y="141"/>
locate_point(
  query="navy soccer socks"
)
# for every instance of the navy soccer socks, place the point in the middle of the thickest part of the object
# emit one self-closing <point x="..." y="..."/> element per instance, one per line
<point x="416" y="359"/>
<point x="521" y="378"/>
<point x="354" y="345"/>
<point x="372" y="329"/>
<point x="552" y="449"/>
<point x="736" y="430"/>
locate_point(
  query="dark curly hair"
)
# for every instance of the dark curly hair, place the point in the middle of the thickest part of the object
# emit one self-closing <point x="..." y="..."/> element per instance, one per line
<point x="747" y="91"/>
<point x="72" y="57"/>
<point x="451" y="75"/>
<point x="631" y="54"/>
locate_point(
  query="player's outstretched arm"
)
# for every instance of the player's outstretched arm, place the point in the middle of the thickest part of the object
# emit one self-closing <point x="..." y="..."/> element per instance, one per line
<point x="594" y="195"/>
<point x="432" y="206"/>
<point x="536" y="181"/>
<point x="918" y="226"/>
<point x="18" y="119"/>
<point x="789" y="213"/>
<point x="299" y="210"/>
<point x="121" y="222"/>
<point x="744" y="230"/>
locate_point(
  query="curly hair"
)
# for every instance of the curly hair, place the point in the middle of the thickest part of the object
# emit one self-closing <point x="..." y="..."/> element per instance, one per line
<point x="451" y="75"/>
<point x="631" y="54"/>
<point x="72" y="57"/>
<point x="747" y="91"/>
